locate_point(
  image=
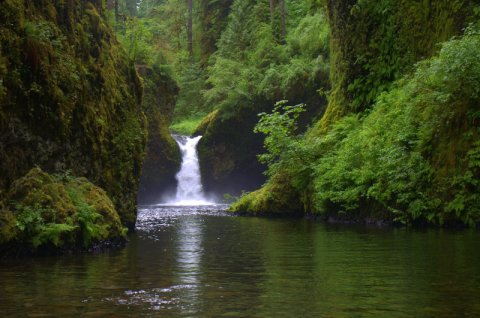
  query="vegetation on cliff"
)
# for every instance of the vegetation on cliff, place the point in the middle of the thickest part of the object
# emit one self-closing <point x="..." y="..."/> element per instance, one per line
<point x="412" y="158"/>
<point x="351" y="110"/>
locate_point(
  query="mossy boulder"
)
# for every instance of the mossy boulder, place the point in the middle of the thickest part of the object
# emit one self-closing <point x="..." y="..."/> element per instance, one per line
<point x="57" y="213"/>
<point x="163" y="156"/>
<point x="69" y="100"/>
<point x="276" y="198"/>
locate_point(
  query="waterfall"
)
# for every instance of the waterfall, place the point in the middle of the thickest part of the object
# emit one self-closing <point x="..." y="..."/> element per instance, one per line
<point x="189" y="189"/>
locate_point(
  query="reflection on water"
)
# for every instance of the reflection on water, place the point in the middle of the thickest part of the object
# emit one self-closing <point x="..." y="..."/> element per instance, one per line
<point x="200" y="262"/>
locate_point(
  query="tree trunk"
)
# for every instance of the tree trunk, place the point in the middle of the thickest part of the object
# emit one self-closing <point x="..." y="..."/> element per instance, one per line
<point x="190" y="27"/>
<point x="283" y="18"/>
<point x="272" y="12"/>
<point x="110" y="4"/>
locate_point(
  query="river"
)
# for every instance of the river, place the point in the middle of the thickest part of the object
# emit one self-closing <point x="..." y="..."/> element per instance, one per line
<point x="202" y="262"/>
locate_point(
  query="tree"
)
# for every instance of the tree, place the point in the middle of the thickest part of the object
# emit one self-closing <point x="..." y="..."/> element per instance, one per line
<point x="190" y="27"/>
<point x="283" y="16"/>
<point x="272" y="12"/>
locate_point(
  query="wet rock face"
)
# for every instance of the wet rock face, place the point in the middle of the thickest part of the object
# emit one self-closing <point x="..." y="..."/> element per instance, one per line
<point x="69" y="100"/>
<point x="227" y="154"/>
<point x="229" y="147"/>
<point x="162" y="160"/>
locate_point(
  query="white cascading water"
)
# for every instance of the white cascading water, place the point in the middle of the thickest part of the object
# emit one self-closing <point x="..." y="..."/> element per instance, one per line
<point x="189" y="188"/>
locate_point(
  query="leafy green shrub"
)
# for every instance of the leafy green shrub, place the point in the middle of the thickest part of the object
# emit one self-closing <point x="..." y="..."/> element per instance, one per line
<point x="401" y="158"/>
<point x="279" y="127"/>
<point x="88" y="218"/>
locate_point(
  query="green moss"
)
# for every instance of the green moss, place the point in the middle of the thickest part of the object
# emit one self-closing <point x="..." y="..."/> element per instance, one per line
<point x="202" y="126"/>
<point x="8" y="229"/>
<point x="187" y="126"/>
<point x="413" y="159"/>
<point x="55" y="213"/>
<point x="275" y="198"/>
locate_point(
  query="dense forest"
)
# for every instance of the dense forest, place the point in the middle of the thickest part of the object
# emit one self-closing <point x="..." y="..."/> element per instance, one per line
<point x="349" y="111"/>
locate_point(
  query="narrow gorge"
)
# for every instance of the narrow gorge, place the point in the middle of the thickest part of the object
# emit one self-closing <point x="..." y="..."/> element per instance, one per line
<point x="240" y="158"/>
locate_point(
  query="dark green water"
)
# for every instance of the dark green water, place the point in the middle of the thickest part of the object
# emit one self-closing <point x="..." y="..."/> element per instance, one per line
<point x="200" y="263"/>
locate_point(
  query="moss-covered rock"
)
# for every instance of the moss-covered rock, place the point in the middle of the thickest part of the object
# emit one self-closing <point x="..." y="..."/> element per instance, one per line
<point x="227" y="152"/>
<point x="413" y="158"/>
<point x="57" y="213"/>
<point x="373" y="43"/>
<point x="276" y="198"/>
<point x="163" y="156"/>
<point x="229" y="147"/>
<point x="69" y="100"/>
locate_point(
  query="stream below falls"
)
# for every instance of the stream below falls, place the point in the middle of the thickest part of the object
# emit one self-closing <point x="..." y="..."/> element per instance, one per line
<point x="189" y="258"/>
<point x="202" y="262"/>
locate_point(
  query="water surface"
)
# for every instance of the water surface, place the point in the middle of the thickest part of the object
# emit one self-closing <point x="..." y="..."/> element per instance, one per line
<point x="200" y="262"/>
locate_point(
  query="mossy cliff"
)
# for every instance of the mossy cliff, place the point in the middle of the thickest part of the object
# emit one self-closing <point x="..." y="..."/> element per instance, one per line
<point x="399" y="140"/>
<point x="68" y="99"/>
<point x="373" y="43"/>
<point x="163" y="156"/>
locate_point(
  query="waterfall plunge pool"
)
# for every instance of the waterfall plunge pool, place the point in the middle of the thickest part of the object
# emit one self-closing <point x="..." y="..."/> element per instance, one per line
<point x="189" y="258"/>
<point x="202" y="262"/>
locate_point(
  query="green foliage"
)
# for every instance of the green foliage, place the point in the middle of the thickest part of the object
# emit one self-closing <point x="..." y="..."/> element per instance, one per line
<point x="413" y="158"/>
<point x="32" y="224"/>
<point x="88" y="219"/>
<point x="137" y="41"/>
<point x="190" y="103"/>
<point x="405" y="148"/>
<point x="67" y="88"/>
<point x="280" y="128"/>
<point x="380" y="41"/>
<point x="250" y="64"/>
<point x="311" y="36"/>
<point x="186" y="126"/>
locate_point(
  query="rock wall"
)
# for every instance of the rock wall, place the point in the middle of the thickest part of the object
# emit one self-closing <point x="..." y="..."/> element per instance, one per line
<point x="163" y="157"/>
<point x="69" y="101"/>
